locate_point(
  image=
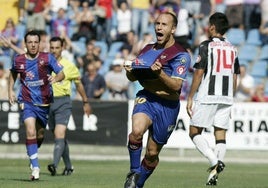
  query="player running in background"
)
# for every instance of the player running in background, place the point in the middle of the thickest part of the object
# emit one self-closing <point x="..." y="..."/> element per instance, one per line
<point x="160" y="68"/>
<point x="214" y="83"/>
<point x="34" y="69"/>
<point x="61" y="109"/>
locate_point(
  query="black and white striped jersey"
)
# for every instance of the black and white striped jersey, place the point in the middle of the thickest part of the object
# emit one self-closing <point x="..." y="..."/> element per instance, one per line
<point x="218" y="58"/>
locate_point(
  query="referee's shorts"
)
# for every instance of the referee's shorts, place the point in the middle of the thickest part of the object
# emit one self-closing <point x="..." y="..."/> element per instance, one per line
<point x="60" y="111"/>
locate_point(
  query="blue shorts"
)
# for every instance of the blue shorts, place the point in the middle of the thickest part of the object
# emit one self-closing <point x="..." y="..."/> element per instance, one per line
<point x="162" y="112"/>
<point x="40" y="113"/>
<point x="60" y="111"/>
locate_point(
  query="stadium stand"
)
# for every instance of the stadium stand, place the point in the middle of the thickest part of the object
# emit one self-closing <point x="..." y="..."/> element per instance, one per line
<point x="248" y="52"/>
<point x="104" y="48"/>
<point x="236" y="36"/>
<point x="79" y="47"/>
<point x="264" y="53"/>
<point x="259" y="69"/>
<point x="6" y="60"/>
<point x="114" y="48"/>
<point x="254" y="37"/>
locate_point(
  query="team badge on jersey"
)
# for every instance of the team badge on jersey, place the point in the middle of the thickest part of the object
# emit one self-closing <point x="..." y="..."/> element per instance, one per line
<point x="41" y="62"/>
<point x="29" y="75"/>
<point x="183" y="60"/>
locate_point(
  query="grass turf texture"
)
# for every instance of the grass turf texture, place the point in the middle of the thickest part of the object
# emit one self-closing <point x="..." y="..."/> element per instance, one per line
<point x="111" y="174"/>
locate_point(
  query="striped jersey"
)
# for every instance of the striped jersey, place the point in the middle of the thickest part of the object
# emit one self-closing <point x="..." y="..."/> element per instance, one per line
<point x="71" y="73"/>
<point x="218" y="58"/>
<point x="175" y="60"/>
<point x="35" y="87"/>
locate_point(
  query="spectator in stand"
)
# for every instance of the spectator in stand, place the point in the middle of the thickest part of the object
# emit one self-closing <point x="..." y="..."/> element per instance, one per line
<point x="60" y="25"/>
<point x="35" y="14"/>
<point x="117" y="82"/>
<point x="3" y="82"/>
<point x="56" y="5"/>
<point x="207" y="8"/>
<point x="193" y="7"/>
<point x="264" y="32"/>
<point x="140" y="16"/>
<point x="132" y="39"/>
<point x="252" y="15"/>
<point x="93" y="83"/>
<point x="44" y="41"/>
<point x="259" y="94"/>
<point x="86" y="21"/>
<point x="245" y="87"/>
<point x="11" y="34"/>
<point x="220" y="6"/>
<point x="21" y="10"/>
<point x="147" y="39"/>
<point x="86" y="59"/>
<point x="234" y="12"/>
<point x="123" y="18"/>
<point x="104" y="24"/>
<point x="73" y="11"/>
<point x="264" y="10"/>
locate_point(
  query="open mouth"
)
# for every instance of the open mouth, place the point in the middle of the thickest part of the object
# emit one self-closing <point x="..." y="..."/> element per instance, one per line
<point x="159" y="36"/>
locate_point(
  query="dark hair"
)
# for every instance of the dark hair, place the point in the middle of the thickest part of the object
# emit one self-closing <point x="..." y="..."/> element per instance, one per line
<point x="55" y="39"/>
<point x="31" y="33"/>
<point x="220" y="21"/>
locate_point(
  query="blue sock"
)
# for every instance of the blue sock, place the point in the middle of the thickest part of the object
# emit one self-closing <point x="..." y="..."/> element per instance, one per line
<point x="32" y="151"/>
<point x="145" y="172"/>
<point x="134" y="150"/>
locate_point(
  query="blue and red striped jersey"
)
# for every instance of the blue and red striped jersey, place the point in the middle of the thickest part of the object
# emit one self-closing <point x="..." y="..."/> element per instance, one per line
<point x="35" y="87"/>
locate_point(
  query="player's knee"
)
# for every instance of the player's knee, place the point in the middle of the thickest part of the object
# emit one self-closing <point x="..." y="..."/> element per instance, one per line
<point x="135" y="136"/>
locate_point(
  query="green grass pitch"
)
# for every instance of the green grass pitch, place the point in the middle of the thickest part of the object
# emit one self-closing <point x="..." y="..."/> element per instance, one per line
<point x="14" y="173"/>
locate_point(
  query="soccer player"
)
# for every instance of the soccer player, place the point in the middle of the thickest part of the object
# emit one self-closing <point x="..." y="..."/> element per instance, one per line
<point x="160" y="68"/>
<point x="34" y="69"/>
<point x="214" y="83"/>
<point x="61" y="109"/>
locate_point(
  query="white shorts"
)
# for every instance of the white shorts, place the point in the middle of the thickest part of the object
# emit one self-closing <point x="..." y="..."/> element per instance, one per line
<point x="208" y="115"/>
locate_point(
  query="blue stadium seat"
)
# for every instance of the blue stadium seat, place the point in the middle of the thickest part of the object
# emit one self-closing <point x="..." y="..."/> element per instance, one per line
<point x="259" y="69"/>
<point x="264" y="53"/>
<point x="114" y="48"/>
<point x="106" y="65"/>
<point x="243" y="62"/>
<point x="21" y="31"/>
<point x="6" y="60"/>
<point x="253" y="37"/>
<point x="248" y="52"/>
<point x="104" y="48"/>
<point x="266" y="88"/>
<point x="236" y="36"/>
<point x="79" y="48"/>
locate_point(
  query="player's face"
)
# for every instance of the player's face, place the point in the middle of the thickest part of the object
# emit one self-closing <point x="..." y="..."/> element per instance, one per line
<point x="32" y="44"/>
<point x="56" y="49"/>
<point x="164" y="29"/>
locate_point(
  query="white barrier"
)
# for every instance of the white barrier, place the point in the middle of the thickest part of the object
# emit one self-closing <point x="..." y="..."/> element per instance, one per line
<point x="248" y="128"/>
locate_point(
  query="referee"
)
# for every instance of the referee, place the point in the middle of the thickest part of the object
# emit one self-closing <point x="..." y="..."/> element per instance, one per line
<point x="61" y="109"/>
